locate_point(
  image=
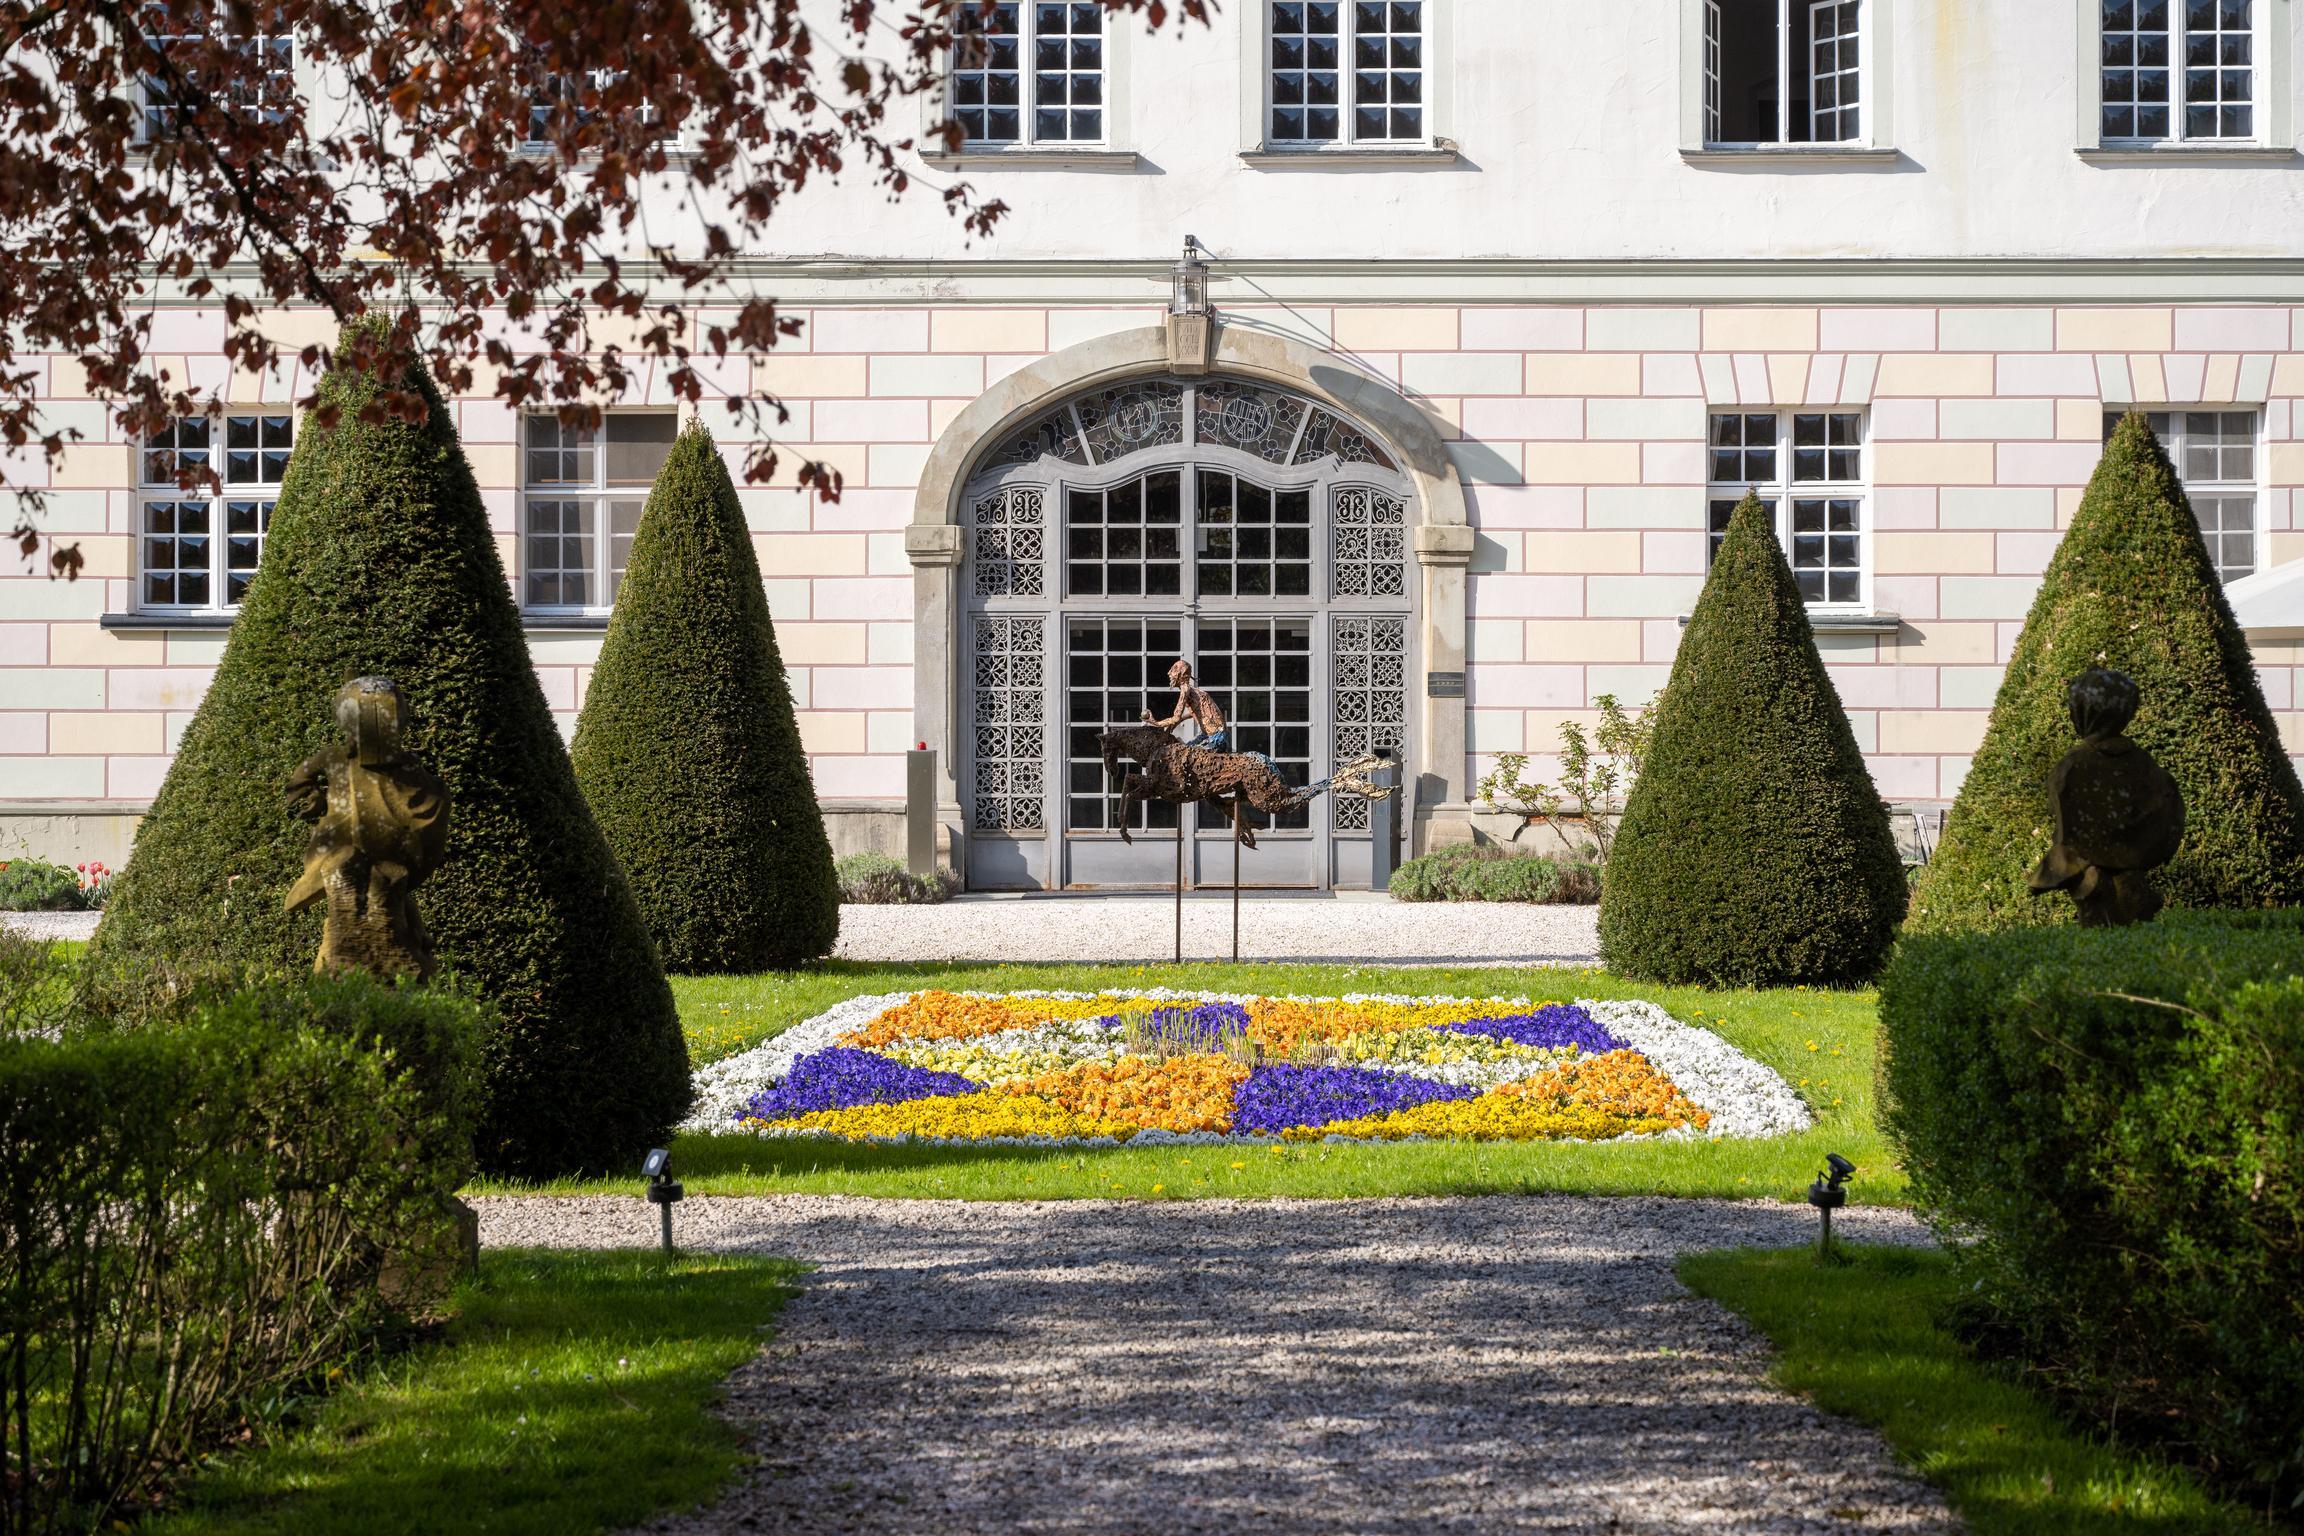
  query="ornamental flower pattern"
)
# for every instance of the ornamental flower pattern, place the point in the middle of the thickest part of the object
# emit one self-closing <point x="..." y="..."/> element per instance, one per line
<point x="1068" y="1069"/>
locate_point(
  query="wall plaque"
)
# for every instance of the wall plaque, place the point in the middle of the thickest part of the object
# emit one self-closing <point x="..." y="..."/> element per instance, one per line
<point x="1444" y="685"/>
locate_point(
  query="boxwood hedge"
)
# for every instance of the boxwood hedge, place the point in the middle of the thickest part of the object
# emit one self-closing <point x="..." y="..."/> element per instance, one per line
<point x="379" y="560"/>
<point x="1754" y="849"/>
<point x="688" y="748"/>
<point x="2109" y="1123"/>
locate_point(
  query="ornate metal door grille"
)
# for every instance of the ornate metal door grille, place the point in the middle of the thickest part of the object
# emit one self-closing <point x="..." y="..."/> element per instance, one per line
<point x="1224" y="520"/>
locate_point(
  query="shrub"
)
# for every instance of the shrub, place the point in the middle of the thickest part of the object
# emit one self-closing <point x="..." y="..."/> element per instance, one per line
<point x="2130" y="587"/>
<point x="380" y="561"/>
<point x="687" y="746"/>
<point x="1595" y="780"/>
<point x="875" y="880"/>
<point x="1486" y="872"/>
<point x="1754" y="849"/>
<point x="35" y="885"/>
<point x="2111" y="1122"/>
<point x="196" y="1219"/>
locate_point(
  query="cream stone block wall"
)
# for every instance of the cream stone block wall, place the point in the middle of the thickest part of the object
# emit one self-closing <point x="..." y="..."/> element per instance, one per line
<point x="1579" y="429"/>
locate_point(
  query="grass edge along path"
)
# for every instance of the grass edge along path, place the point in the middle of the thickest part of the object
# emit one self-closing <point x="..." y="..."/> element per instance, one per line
<point x="566" y="1393"/>
<point x="1864" y="1340"/>
<point x="1821" y="1041"/>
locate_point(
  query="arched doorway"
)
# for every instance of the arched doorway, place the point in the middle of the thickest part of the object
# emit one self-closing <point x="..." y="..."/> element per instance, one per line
<point x="1258" y="532"/>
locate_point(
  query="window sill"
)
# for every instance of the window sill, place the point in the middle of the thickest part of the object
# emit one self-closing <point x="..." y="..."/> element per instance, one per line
<point x="2184" y="154"/>
<point x="1033" y="157"/>
<point x="578" y="623"/>
<point x="1328" y="157"/>
<point x="161" y="619"/>
<point x="1844" y="621"/>
<point x="1859" y="155"/>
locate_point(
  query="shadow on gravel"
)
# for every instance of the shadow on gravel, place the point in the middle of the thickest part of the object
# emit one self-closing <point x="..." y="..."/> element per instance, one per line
<point x="1412" y="1366"/>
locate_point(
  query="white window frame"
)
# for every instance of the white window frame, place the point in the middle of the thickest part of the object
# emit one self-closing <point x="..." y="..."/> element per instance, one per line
<point x="1706" y="28"/>
<point x="2176" y="68"/>
<point x="157" y="485"/>
<point x="2177" y="443"/>
<point x="1028" y="140"/>
<point x="2271" y="90"/>
<point x="1257" y="142"/>
<point x="598" y="500"/>
<point x="300" y="74"/>
<point x="1781" y="490"/>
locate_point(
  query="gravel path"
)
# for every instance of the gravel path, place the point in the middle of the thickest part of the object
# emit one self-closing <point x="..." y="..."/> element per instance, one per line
<point x="51" y="925"/>
<point x="1493" y="1364"/>
<point x="1131" y="928"/>
<point x="1137" y="928"/>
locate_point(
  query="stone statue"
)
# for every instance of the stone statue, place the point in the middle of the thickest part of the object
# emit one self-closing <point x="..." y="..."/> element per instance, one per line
<point x="380" y="825"/>
<point x="2116" y="814"/>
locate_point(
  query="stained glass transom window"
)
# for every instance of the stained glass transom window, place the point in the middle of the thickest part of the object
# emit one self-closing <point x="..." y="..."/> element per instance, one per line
<point x="1110" y="424"/>
<point x="1370" y="697"/>
<point x="1009" y="672"/>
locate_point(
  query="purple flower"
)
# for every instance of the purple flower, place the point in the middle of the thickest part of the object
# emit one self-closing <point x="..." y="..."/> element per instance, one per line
<point x="840" y="1077"/>
<point x="1554" y="1025"/>
<point x="1208" y="1027"/>
<point x="1279" y="1098"/>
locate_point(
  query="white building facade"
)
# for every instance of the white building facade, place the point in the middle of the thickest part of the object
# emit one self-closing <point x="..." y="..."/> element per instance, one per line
<point x="1510" y="304"/>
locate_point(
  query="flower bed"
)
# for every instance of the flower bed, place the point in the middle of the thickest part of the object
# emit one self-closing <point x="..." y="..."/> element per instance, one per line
<point x="1078" y="1068"/>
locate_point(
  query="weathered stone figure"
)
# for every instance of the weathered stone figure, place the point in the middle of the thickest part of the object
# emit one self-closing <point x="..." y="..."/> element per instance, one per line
<point x="2116" y="813"/>
<point x="380" y="825"/>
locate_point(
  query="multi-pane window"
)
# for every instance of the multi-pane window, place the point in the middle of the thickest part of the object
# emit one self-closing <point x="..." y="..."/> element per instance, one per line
<point x="2179" y="69"/>
<point x="584" y="494"/>
<point x="1783" y="71"/>
<point x="200" y="544"/>
<point x="1126" y="541"/>
<point x="1252" y="541"/>
<point x="2215" y="457"/>
<point x="1112" y="669"/>
<point x="1030" y="73"/>
<point x="1347" y="71"/>
<point x="1808" y="467"/>
<point x="1262" y="669"/>
<point x="260" y="84"/>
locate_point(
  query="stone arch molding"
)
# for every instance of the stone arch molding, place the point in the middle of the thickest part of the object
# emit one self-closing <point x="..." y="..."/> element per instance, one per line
<point x="1261" y="355"/>
<point x="1442" y="539"/>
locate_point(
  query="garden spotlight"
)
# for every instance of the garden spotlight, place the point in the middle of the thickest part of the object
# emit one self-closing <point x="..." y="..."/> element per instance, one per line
<point x="1827" y="1194"/>
<point x="663" y="1191"/>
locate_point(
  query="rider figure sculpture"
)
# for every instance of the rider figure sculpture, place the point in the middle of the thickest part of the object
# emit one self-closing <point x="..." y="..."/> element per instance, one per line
<point x="1196" y="704"/>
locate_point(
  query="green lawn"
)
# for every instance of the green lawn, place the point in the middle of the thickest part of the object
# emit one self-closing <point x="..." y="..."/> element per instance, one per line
<point x="570" y="1392"/>
<point x="1821" y="1041"/>
<point x="1863" y="1340"/>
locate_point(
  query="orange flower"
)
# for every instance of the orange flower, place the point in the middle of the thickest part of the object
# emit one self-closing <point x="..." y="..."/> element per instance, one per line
<point x="1176" y="1093"/>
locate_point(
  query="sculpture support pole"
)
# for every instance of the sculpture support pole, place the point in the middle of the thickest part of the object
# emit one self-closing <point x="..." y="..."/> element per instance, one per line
<point x="1239" y="816"/>
<point x="1180" y="812"/>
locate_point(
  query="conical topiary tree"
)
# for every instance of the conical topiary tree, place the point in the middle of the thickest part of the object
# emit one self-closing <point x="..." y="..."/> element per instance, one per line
<point x="379" y="561"/>
<point x="1754" y="849"/>
<point x="2130" y="587"/>
<point x="688" y="749"/>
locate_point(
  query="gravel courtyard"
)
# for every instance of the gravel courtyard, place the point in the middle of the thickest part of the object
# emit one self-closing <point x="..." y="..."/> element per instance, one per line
<point x="1130" y="928"/>
<point x="1398" y="1366"/>
<point x="1134" y="928"/>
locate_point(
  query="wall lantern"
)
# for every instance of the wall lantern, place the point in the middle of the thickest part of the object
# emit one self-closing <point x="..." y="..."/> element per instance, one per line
<point x="1191" y="318"/>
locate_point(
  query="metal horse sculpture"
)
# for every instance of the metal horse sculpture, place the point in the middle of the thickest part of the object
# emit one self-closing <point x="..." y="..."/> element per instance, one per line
<point x="1229" y="782"/>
